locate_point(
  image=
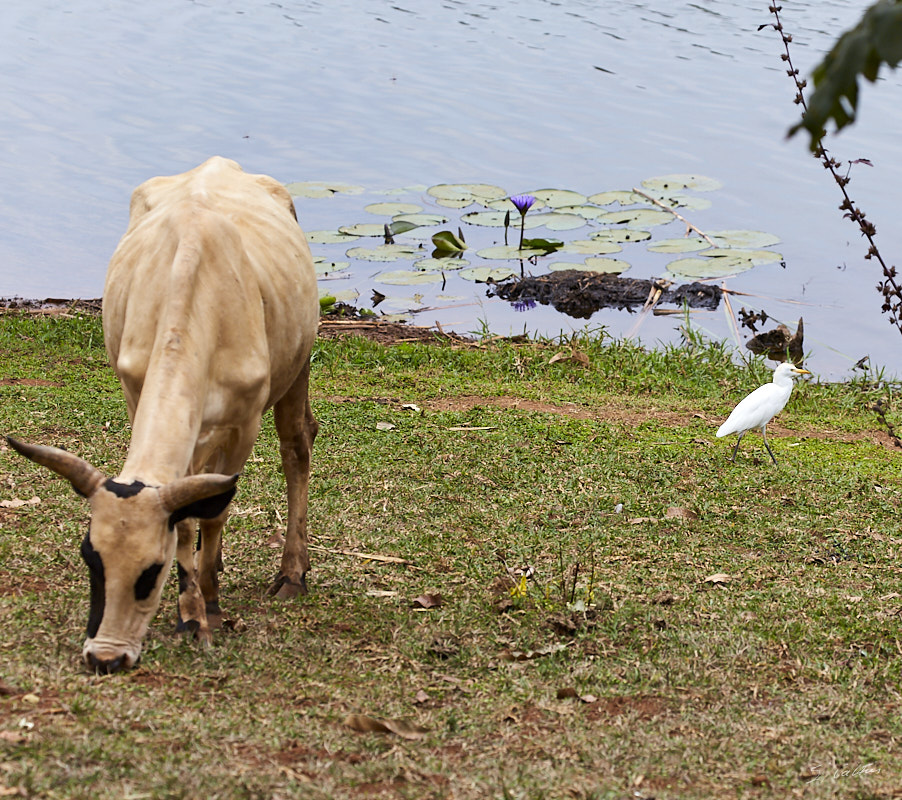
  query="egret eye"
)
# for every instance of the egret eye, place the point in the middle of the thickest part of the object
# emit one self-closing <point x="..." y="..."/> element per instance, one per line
<point x="146" y="582"/>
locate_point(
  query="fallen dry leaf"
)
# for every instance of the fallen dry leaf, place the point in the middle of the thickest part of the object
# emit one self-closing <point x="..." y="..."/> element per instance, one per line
<point x="384" y="426"/>
<point x="676" y="512"/>
<point x="236" y="625"/>
<point x="470" y="428"/>
<point x="366" y="724"/>
<point x="528" y="655"/>
<point x="276" y="540"/>
<point x="718" y="578"/>
<point x="428" y="601"/>
<point x="569" y="693"/>
<point x="17" y="503"/>
<point x="421" y="697"/>
<point x="574" y="355"/>
<point x="13" y="737"/>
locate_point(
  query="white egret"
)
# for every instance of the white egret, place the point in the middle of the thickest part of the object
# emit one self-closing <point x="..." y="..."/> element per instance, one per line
<point x="761" y="406"/>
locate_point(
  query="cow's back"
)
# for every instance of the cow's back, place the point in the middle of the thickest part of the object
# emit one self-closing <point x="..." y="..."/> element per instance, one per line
<point x="210" y="295"/>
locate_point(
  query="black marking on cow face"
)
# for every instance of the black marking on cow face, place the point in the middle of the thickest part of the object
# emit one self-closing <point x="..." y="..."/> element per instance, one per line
<point x="147" y="581"/>
<point x="208" y="508"/>
<point x="98" y="589"/>
<point x="124" y="489"/>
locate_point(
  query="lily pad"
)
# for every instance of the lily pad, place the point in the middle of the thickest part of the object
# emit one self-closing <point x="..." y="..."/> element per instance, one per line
<point x="685" y="245"/>
<point x="447" y="264"/>
<point x="696" y="267"/>
<point x="687" y="201"/>
<point x="321" y="189"/>
<point x="586" y="212"/>
<point x="507" y="252"/>
<point x="637" y="217"/>
<point x="461" y="195"/>
<point x="591" y="247"/>
<point x="400" y="305"/>
<point x="719" y="262"/>
<point x="398" y="226"/>
<point x="385" y="252"/>
<point x="364" y="229"/>
<point x="744" y="238"/>
<point x="408" y="277"/>
<point x="622" y="197"/>
<point x="342" y="296"/>
<point x="448" y="242"/>
<point x="422" y="220"/>
<point x="670" y="183"/>
<point x="545" y="245"/>
<point x="495" y="219"/>
<point x="622" y="235"/>
<point x="483" y="274"/>
<point x="323" y="267"/>
<point x="755" y="256"/>
<point x="556" y="221"/>
<point x="418" y="188"/>
<point x="594" y="264"/>
<point x="330" y="237"/>
<point x="392" y="209"/>
<point x="555" y="198"/>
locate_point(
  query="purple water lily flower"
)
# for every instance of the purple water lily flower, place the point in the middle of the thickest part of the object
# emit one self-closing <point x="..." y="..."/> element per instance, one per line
<point x="523" y="202"/>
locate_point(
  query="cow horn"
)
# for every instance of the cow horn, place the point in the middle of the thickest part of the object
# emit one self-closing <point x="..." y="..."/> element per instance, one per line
<point x="85" y="479"/>
<point x="184" y="491"/>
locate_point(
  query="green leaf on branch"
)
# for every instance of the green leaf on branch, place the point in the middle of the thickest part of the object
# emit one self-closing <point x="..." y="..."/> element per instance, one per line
<point x="862" y="50"/>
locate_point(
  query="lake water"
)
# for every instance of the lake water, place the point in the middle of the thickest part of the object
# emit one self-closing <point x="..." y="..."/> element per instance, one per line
<point x="98" y="95"/>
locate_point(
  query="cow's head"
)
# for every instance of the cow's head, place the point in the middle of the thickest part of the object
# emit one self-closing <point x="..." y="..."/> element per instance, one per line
<point x="129" y="547"/>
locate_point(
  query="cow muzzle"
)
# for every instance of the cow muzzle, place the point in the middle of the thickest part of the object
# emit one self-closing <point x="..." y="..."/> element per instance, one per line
<point x="105" y="660"/>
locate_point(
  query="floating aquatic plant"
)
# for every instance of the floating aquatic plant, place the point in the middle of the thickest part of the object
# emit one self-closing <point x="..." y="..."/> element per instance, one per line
<point x="608" y="221"/>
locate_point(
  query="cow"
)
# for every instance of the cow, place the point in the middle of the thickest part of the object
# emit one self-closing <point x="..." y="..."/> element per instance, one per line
<point x="210" y="311"/>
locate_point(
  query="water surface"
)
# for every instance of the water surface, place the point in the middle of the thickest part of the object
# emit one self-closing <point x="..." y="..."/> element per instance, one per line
<point x="587" y="95"/>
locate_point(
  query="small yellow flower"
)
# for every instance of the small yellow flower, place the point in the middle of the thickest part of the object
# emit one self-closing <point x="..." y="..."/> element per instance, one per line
<point x="520" y="589"/>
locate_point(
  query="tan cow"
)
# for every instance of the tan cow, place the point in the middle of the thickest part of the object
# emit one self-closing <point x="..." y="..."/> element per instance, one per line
<point x="209" y="312"/>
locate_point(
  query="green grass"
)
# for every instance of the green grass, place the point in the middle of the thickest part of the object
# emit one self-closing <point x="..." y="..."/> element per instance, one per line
<point x="769" y="685"/>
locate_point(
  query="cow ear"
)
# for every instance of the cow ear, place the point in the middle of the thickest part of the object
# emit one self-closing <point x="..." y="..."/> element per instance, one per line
<point x="201" y="496"/>
<point x="207" y="508"/>
<point x="85" y="479"/>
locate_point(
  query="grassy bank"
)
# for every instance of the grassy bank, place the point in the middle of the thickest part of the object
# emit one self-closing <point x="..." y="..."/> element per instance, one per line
<point x="687" y="627"/>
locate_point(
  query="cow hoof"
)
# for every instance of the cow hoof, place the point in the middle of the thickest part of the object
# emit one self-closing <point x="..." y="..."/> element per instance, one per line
<point x="284" y="588"/>
<point x="191" y="626"/>
<point x="214" y="616"/>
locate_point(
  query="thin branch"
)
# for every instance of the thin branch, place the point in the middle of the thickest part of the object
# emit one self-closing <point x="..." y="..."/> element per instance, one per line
<point x="678" y="216"/>
<point x="889" y="287"/>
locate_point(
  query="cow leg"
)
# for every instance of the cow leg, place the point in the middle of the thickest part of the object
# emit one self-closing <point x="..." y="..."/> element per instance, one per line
<point x="209" y="565"/>
<point x="297" y="429"/>
<point x="191" y="608"/>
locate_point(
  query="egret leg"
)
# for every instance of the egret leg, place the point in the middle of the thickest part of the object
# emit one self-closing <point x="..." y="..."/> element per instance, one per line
<point x="736" y="448"/>
<point x="764" y="434"/>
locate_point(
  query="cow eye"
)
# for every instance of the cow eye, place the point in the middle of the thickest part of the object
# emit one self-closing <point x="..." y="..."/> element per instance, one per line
<point x="146" y="582"/>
